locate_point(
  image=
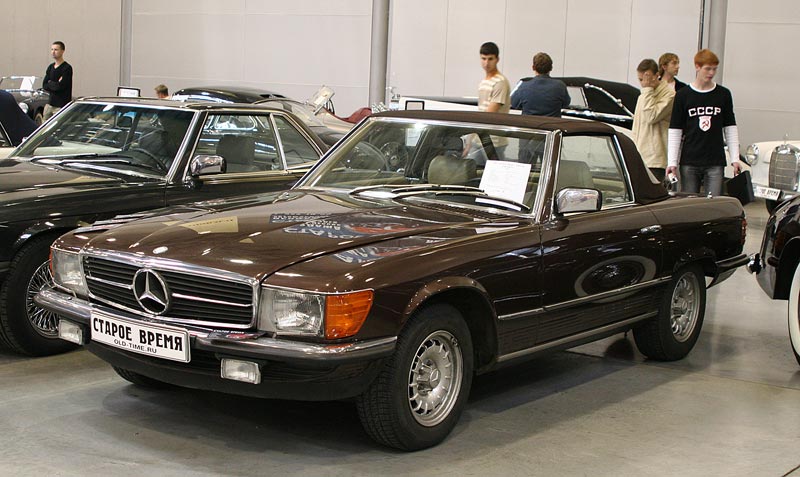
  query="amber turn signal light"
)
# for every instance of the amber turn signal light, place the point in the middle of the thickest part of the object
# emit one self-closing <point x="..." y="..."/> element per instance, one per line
<point x="344" y="314"/>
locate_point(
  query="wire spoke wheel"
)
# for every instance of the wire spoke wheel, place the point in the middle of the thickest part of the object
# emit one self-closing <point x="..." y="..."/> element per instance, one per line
<point x="434" y="379"/>
<point x="44" y="322"/>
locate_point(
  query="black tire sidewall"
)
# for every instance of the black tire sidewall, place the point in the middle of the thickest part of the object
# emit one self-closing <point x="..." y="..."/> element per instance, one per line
<point x="18" y="329"/>
<point x="432" y="319"/>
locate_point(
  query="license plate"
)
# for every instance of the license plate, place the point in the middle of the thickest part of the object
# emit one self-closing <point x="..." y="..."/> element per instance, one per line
<point x="767" y="192"/>
<point x="144" y="338"/>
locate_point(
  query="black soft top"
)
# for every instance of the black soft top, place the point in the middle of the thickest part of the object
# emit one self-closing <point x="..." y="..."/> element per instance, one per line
<point x="645" y="190"/>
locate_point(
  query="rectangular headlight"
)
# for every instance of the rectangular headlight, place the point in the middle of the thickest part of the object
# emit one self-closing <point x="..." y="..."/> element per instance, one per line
<point x="291" y="312"/>
<point x="67" y="272"/>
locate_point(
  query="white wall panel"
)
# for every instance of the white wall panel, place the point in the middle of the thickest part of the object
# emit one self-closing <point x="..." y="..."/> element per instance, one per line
<point x="764" y="11"/>
<point x="598" y="39"/>
<point x="470" y="23"/>
<point x="660" y="27"/>
<point x="89" y="28"/>
<point x="291" y="48"/>
<point x="533" y="26"/>
<point x="760" y="70"/>
<point x="417" y="46"/>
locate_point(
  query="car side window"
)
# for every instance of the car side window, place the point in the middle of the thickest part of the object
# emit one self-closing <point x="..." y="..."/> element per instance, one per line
<point x="592" y="162"/>
<point x="247" y="142"/>
<point x="296" y="148"/>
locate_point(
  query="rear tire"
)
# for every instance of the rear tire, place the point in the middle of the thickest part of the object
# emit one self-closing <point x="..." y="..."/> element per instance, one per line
<point x="140" y="379"/>
<point x="24" y="327"/>
<point x="794" y="314"/>
<point x="673" y="333"/>
<point x="417" y="398"/>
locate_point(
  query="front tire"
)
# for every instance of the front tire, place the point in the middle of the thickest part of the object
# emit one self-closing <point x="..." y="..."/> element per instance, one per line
<point x="674" y="331"/>
<point x="25" y="327"/>
<point x="419" y="395"/>
<point x="794" y="314"/>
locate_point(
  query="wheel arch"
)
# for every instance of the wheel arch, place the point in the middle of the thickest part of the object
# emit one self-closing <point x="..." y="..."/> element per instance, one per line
<point x="472" y="301"/>
<point x="790" y="256"/>
<point x="40" y="229"/>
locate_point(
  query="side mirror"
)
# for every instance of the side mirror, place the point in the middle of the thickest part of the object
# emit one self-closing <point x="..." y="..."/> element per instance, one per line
<point x="206" y="165"/>
<point x="578" y="200"/>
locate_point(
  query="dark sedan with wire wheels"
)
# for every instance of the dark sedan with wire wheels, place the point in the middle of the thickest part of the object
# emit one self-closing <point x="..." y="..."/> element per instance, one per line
<point x="777" y="265"/>
<point x="103" y="157"/>
<point x="426" y="247"/>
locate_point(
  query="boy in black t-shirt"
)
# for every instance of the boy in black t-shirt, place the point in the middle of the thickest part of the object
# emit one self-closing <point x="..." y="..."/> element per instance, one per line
<point x="701" y="116"/>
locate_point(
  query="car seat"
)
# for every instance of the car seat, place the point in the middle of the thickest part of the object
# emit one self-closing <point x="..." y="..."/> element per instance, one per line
<point x="574" y="174"/>
<point x="239" y="152"/>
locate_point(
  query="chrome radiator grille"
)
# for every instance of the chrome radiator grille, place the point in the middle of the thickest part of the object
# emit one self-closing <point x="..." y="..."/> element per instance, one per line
<point x="783" y="167"/>
<point x="192" y="298"/>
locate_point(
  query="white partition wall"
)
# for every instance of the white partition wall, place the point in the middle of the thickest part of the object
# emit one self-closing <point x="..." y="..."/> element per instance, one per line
<point x="434" y="43"/>
<point x="288" y="47"/>
<point x="761" y="68"/>
<point x="89" y="28"/>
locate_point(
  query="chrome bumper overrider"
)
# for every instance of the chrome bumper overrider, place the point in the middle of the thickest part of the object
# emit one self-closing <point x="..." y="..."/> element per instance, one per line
<point x="235" y="342"/>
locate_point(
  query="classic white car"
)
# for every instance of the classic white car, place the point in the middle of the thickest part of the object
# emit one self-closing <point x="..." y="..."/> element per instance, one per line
<point x="775" y="170"/>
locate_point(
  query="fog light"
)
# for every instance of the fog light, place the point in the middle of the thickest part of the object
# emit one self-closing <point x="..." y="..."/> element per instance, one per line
<point x="70" y="332"/>
<point x="237" y="370"/>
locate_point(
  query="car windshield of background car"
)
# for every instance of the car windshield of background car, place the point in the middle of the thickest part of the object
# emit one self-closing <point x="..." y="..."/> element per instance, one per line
<point x="399" y="153"/>
<point x="113" y="135"/>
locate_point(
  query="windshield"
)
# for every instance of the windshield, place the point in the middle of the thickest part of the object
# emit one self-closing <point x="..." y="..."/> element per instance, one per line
<point x="31" y="83"/>
<point x="454" y="162"/>
<point x="148" y="137"/>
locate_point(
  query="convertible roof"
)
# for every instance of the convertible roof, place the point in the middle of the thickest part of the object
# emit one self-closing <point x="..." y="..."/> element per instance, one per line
<point x="567" y="125"/>
<point x="645" y="190"/>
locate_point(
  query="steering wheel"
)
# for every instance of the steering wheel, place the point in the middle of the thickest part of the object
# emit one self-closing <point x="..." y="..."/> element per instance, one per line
<point x="153" y="158"/>
<point x="366" y="156"/>
<point x="396" y="155"/>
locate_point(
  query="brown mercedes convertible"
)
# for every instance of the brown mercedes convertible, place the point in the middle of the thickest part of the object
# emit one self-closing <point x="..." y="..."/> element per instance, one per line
<point x="424" y="248"/>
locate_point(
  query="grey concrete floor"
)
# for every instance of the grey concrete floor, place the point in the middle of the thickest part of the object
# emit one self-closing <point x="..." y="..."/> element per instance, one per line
<point x="732" y="407"/>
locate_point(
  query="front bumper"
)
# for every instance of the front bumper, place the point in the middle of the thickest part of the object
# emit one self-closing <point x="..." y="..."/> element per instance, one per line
<point x="289" y="369"/>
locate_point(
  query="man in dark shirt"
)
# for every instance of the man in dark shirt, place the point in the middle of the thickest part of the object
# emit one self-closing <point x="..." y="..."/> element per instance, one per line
<point x="702" y="123"/>
<point x="57" y="80"/>
<point x="541" y="95"/>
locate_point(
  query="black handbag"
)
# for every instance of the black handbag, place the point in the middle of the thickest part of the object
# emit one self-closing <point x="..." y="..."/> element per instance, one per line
<point x="741" y="187"/>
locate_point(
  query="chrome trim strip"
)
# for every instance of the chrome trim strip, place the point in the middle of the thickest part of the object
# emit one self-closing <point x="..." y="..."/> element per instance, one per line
<point x="81" y="310"/>
<point x="585" y="299"/>
<point x="296" y="349"/>
<point x="109" y="282"/>
<point x="578" y="337"/>
<point x="208" y="300"/>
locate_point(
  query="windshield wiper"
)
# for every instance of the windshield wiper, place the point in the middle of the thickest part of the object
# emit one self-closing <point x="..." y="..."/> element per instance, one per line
<point x="436" y="190"/>
<point x="96" y="158"/>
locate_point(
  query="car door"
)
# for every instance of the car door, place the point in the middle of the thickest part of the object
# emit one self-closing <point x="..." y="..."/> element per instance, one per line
<point x="600" y="267"/>
<point x="263" y="152"/>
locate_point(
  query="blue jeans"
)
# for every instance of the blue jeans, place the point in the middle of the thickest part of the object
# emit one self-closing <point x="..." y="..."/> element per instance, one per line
<point x="710" y="176"/>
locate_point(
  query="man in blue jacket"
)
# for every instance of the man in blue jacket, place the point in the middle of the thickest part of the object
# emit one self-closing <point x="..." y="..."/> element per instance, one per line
<point x="541" y="95"/>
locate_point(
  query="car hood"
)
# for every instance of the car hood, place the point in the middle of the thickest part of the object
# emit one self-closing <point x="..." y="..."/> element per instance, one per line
<point x="259" y="235"/>
<point x="24" y="177"/>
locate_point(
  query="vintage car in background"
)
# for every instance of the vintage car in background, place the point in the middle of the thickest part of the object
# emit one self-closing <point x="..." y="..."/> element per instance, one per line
<point x="605" y="101"/>
<point x="775" y="170"/>
<point x="776" y="264"/>
<point x="224" y="94"/>
<point x="424" y="248"/>
<point x="316" y="112"/>
<point x="28" y="92"/>
<point x="14" y="124"/>
<point x="99" y="158"/>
